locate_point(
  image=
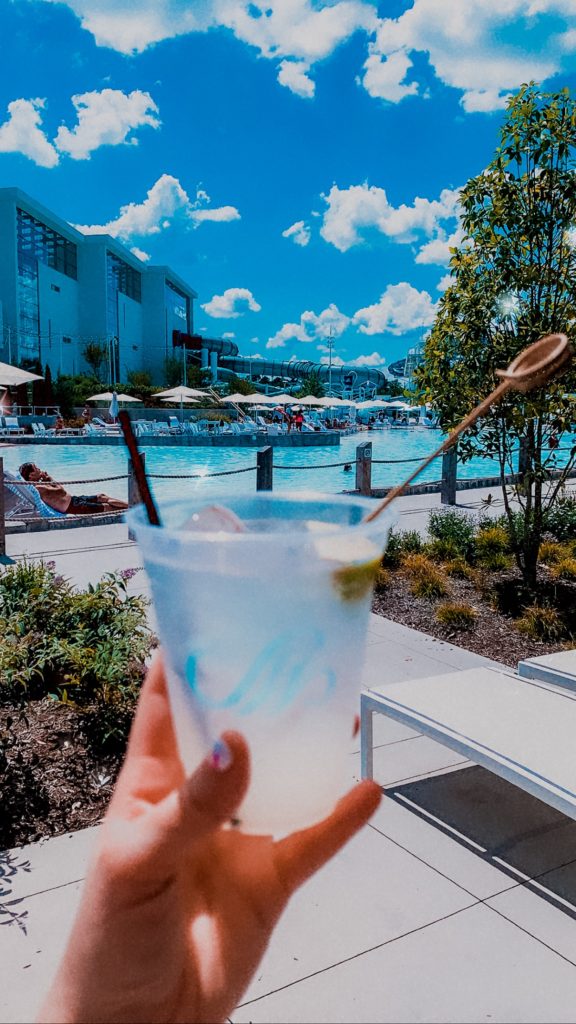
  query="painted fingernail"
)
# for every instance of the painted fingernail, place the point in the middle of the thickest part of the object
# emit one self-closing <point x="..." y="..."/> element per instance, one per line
<point x="221" y="757"/>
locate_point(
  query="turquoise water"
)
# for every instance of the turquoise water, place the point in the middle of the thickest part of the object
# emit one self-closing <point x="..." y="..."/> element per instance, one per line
<point x="77" y="463"/>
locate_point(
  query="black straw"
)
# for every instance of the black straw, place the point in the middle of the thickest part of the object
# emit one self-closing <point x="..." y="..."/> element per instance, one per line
<point x="140" y="472"/>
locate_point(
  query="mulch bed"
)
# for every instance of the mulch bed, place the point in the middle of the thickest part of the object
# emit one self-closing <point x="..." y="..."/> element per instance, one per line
<point x="51" y="781"/>
<point x="494" y="635"/>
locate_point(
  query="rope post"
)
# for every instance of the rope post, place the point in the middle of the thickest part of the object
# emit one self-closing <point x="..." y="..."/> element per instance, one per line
<point x="522" y="458"/>
<point x="448" y="483"/>
<point x="364" y="468"/>
<point x="2" y="513"/>
<point x="134" y="496"/>
<point x="264" y="472"/>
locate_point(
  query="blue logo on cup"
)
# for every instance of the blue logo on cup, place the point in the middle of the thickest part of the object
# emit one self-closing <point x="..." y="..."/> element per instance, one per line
<point x="289" y="665"/>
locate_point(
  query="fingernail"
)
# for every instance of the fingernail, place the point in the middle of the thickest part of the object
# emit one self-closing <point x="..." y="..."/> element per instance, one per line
<point x="221" y="757"/>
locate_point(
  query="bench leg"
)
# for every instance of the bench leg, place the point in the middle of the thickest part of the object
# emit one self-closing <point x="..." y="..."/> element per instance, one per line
<point x="366" y="739"/>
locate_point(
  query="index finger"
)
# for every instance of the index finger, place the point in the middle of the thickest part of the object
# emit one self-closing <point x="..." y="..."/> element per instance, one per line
<point x="301" y="854"/>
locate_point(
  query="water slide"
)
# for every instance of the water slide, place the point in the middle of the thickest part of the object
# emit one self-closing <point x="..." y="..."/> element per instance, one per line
<point x="353" y="380"/>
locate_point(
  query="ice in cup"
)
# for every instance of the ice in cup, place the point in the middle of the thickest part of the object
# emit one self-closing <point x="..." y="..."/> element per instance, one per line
<point x="264" y="631"/>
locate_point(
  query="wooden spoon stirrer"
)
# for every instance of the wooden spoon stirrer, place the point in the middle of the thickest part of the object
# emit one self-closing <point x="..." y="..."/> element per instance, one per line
<point x="534" y="366"/>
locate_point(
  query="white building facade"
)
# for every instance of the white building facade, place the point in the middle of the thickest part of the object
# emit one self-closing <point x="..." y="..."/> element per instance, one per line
<point x="61" y="290"/>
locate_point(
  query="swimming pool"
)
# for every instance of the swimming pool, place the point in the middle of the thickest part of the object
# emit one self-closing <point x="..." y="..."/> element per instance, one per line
<point x="78" y="462"/>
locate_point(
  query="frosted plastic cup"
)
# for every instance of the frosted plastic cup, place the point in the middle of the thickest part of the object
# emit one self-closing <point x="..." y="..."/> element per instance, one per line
<point x="264" y="632"/>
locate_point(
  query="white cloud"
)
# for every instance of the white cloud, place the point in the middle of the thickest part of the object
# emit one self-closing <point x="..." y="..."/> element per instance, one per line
<point x="366" y="207"/>
<point x="22" y="133"/>
<point x="234" y="302"/>
<point x="444" y="283"/>
<point x="106" y="119"/>
<point x="384" y="76"/>
<point x="400" y="308"/>
<point x="437" y="251"/>
<point x="220" y="215"/>
<point x="299" y="232"/>
<point x="469" y="47"/>
<point x="294" y="75"/>
<point x="312" y="326"/>
<point x="336" y="361"/>
<point x="165" y="200"/>
<point x="144" y="256"/>
<point x="374" y="359"/>
<point x="228" y="335"/>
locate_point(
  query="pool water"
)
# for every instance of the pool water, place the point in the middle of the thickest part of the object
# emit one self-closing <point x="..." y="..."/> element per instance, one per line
<point x="78" y="463"/>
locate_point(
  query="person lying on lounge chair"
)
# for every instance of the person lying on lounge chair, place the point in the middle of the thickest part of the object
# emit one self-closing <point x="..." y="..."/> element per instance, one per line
<point x="57" y="497"/>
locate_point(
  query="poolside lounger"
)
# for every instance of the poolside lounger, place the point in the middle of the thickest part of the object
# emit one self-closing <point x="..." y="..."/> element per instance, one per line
<point x="21" y="501"/>
<point x="559" y="669"/>
<point x="520" y="729"/>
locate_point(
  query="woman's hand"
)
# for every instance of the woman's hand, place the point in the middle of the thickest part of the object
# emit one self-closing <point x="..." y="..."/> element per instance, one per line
<point x="177" y="910"/>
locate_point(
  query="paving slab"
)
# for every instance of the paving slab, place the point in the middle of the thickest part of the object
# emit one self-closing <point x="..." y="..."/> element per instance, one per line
<point x="372" y="892"/>
<point x="472" y="966"/>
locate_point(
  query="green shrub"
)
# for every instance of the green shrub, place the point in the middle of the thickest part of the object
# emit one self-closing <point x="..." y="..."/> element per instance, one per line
<point x="401" y="543"/>
<point x="444" y="550"/>
<point x="453" y="526"/>
<point x="459" y="568"/>
<point x="83" y="647"/>
<point x="456" y="615"/>
<point x="492" y="540"/>
<point x="496" y="562"/>
<point x="383" y="579"/>
<point x="541" y="623"/>
<point x="560" y="520"/>
<point x="552" y="552"/>
<point x="565" y="569"/>
<point x="425" y="578"/>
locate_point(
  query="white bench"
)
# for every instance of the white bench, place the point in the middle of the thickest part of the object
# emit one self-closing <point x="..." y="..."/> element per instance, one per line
<point x="520" y="729"/>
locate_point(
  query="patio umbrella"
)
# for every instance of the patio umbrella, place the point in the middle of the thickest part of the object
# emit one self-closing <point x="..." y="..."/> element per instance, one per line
<point x="183" y="400"/>
<point x="12" y="376"/>
<point x="128" y="398"/>
<point x="237" y="398"/>
<point x="114" y="407"/>
<point x="253" y="399"/>
<point x="309" y="400"/>
<point x="180" y="394"/>
<point x="106" y="396"/>
<point x="377" y="403"/>
<point x="284" y="399"/>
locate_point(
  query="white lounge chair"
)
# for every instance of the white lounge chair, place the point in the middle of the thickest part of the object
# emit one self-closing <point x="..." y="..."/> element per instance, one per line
<point x="521" y="729"/>
<point x="11" y="426"/>
<point x="22" y="501"/>
<point x="559" y="669"/>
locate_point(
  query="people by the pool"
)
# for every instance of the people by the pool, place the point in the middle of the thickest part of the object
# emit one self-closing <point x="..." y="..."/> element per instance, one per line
<point x="57" y="497"/>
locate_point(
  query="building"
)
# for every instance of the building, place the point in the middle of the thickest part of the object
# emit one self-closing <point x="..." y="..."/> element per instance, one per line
<point x="61" y="290"/>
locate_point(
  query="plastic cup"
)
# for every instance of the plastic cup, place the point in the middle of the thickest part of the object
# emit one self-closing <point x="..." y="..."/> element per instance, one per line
<point x="264" y="632"/>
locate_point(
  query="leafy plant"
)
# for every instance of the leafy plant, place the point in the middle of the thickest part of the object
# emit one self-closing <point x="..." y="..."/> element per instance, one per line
<point x="84" y="647"/>
<point x="383" y="579"/>
<point x="541" y="623"/>
<point x="425" y="578"/>
<point x="565" y="569"/>
<point x="513" y="282"/>
<point x="560" y="520"/>
<point x="457" y="615"/>
<point x="459" y="568"/>
<point x="492" y="540"/>
<point x="444" y="550"/>
<point x="454" y="527"/>
<point x="95" y="355"/>
<point x="552" y="552"/>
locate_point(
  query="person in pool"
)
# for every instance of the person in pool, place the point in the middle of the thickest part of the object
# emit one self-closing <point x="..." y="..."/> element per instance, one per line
<point x="57" y="497"/>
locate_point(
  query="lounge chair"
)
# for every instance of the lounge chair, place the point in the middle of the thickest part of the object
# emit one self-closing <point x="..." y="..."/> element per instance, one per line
<point x="22" y="501"/>
<point x="559" y="669"/>
<point x="521" y="729"/>
<point x="11" y="426"/>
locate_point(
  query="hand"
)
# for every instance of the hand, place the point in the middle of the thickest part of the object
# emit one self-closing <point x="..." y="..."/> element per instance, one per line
<point x="178" y="909"/>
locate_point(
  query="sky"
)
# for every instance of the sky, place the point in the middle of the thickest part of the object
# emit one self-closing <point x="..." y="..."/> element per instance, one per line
<point x="297" y="162"/>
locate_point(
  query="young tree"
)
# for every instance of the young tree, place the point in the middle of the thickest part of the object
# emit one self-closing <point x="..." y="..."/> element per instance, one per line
<point x="95" y="355"/>
<point x="513" y="281"/>
<point x="311" y="385"/>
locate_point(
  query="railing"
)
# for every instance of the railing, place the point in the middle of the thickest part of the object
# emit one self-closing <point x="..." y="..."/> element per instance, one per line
<point x="264" y="470"/>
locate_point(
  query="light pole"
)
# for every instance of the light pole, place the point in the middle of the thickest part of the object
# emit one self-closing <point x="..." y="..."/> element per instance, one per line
<point x="330" y="344"/>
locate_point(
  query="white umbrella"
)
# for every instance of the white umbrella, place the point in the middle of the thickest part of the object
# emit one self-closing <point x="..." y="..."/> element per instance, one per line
<point x="371" y="403"/>
<point x="309" y="400"/>
<point x="12" y="376"/>
<point x="183" y="400"/>
<point x="254" y="399"/>
<point x="329" y="402"/>
<point x="181" y="392"/>
<point x="114" y="408"/>
<point x="238" y="398"/>
<point x="106" y="396"/>
<point x="128" y="398"/>
<point x="283" y="399"/>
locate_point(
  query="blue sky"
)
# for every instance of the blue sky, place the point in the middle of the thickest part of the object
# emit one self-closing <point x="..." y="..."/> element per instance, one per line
<point x="296" y="161"/>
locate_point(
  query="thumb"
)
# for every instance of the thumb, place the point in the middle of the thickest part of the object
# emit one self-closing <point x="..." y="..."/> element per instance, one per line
<point x="205" y="801"/>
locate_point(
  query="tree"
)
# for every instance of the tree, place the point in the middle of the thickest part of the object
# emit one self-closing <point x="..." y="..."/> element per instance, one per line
<point x="95" y="355"/>
<point x="513" y="281"/>
<point x="311" y="385"/>
<point x="240" y="386"/>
